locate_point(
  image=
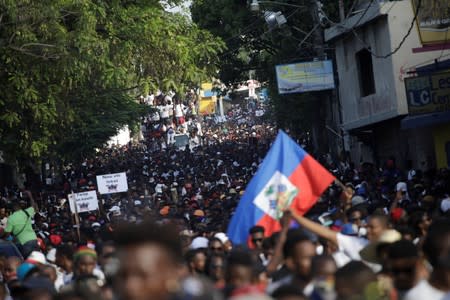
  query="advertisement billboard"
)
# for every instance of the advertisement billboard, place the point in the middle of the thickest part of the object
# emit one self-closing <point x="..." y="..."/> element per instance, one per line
<point x="207" y="106"/>
<point x="305" y="77"/>
<point x="428" y="94"/>
<point x="433" y="21"/>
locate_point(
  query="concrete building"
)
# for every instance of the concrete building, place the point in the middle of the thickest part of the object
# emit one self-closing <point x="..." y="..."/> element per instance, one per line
<point x="372" y="94"/>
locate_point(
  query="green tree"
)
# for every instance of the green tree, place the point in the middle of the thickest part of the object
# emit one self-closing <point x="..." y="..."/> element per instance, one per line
<point x="70" y="69"/>
<point x="253" y="46"/>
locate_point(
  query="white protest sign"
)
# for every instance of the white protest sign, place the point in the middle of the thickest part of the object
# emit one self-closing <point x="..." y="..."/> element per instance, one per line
<point x="259" y="113"/>
<point x="112" y="183"/>
<point x="86" y="201"/>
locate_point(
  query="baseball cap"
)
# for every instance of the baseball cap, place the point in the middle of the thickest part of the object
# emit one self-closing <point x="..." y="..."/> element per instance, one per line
<point x="445" y="205"/>
<point x="36" y="257"/>
<point x="222" y="237"/>
<point x="401" y="187"/>
<point x="199" y="242"/>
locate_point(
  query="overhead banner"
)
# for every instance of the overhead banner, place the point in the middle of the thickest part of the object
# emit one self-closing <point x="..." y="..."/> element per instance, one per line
<point x="207" y="106"/>
<point x="428" y="94"/>
<point x="112" y="183"/>
<point x="433" y="21"/>
<point x="84" y="202"/>
<point x="305" y="77"/>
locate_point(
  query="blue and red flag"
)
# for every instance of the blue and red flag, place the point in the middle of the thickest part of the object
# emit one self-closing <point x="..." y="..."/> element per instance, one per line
<point x="287" y="177"/>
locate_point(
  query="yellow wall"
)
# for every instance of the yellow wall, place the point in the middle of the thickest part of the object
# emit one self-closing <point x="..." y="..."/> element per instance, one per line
<point x="441" y="136"/>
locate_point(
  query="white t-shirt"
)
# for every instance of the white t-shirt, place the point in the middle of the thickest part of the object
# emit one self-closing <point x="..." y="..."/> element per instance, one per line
<point x="164" y="111"/>
<point x="351" y="245"/>
<point x="341" y="259"/>
<point x="178" y="110"/>
<point x="149" y="99"/>
<point x="155" y="116"/>
<point x="423" y="290"/>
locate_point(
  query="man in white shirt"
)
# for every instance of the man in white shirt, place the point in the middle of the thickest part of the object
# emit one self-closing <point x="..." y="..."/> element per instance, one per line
<point x="349" y="245"/>
<point x="164" y="112"/>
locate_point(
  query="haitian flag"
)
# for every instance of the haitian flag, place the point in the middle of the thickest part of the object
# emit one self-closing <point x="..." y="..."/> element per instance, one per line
<point x="287" y="177"/>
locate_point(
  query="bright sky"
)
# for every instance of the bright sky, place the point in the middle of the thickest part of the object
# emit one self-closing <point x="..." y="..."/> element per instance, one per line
<point x="183" y="8"/>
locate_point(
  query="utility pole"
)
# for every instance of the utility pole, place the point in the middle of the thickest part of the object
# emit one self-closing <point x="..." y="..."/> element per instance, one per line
<point x="319" y="121"/>
<point x="341" y="10"/>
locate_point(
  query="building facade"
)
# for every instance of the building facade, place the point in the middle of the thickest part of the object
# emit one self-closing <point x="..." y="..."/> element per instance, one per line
<point x="373" y="99"/>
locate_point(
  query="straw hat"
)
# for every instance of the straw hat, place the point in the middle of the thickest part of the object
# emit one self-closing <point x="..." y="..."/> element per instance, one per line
<point x="369" y="253"/>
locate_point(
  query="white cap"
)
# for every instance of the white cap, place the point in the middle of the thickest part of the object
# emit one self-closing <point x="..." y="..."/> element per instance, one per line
<point x="96" y="224"/>
<point x="445" y="205"/>
<point x="137" y="202"/>
<point x="222" y="237"/>
<point x="36" y="257"/>
<point x="199" y="242"/>
<point x="51" y="255"/>
<point x="401" y="187"/>
<point x="114" y="208"/>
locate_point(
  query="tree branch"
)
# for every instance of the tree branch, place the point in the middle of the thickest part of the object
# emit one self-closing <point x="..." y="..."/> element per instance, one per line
<point x="37" y="44"/>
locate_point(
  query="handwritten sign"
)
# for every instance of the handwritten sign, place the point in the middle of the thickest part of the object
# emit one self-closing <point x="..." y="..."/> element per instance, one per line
<point x="84" y="202"/>
<point x="112" y="183"/>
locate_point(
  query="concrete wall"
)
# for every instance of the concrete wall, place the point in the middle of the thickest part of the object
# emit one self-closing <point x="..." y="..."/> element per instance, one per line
<point x="389" y="24"/>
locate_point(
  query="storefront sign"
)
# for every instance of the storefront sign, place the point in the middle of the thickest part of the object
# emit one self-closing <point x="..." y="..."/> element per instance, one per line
<point x="428" y="94"/>
<point x="433" y="21"/>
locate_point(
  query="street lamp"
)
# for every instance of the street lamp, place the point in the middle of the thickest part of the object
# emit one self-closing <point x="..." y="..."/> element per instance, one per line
<point x="274" y="19"/>
<point x="254" y="6"/>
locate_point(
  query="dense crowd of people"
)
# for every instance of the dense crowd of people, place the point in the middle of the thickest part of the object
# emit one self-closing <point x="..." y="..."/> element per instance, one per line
<point x="380" y="234"/>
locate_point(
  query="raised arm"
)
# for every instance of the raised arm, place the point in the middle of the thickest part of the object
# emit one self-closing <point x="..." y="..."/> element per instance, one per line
<point x="32" y="202"/>
<point x="314" y="227"/>
<point x="277" y="258"/>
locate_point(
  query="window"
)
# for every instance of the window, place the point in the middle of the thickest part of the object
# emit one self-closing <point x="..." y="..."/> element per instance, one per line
<point x="365" y="70"/>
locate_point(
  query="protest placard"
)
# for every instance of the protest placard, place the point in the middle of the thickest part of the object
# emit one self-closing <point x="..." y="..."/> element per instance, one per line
<point x="181" y="140"/>
<point x="112" y="183"/>
<point x="86" y="201"/>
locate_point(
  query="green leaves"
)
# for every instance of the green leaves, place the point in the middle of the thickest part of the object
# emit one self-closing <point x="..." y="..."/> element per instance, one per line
<point x="70" y="70"/>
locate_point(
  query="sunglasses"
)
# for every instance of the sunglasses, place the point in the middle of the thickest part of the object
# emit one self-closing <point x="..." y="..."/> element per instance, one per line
<point x="257" y="240"/>
<point x="216" y="266"/>
<point x="216" y="248"/>
<point x="406" y="270"/>
<point x="355" y="219"/>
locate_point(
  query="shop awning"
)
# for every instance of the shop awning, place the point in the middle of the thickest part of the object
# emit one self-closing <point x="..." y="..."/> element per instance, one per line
<point x="425" y="120"/>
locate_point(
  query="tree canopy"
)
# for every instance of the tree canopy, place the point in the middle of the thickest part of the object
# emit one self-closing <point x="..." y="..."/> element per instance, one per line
<point x="70" y="69"/>
<point x="252" y="45"/>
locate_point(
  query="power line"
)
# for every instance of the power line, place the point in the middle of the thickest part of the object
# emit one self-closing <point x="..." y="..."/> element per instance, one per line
<point x="426" y="62"/>
<point x="249" y="27"/>
<point x="368" y="46"/>
<point x="416" y="13"/>
<point x="363" y="14"/>
<point x="245" y="30"/>
<point x="250" y="41"/>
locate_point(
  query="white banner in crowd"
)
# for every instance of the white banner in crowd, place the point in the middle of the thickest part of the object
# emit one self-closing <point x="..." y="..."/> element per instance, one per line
<point x="112" y="183"/>
<point x="85" y="202"/>
<point x="259" y="113"/>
